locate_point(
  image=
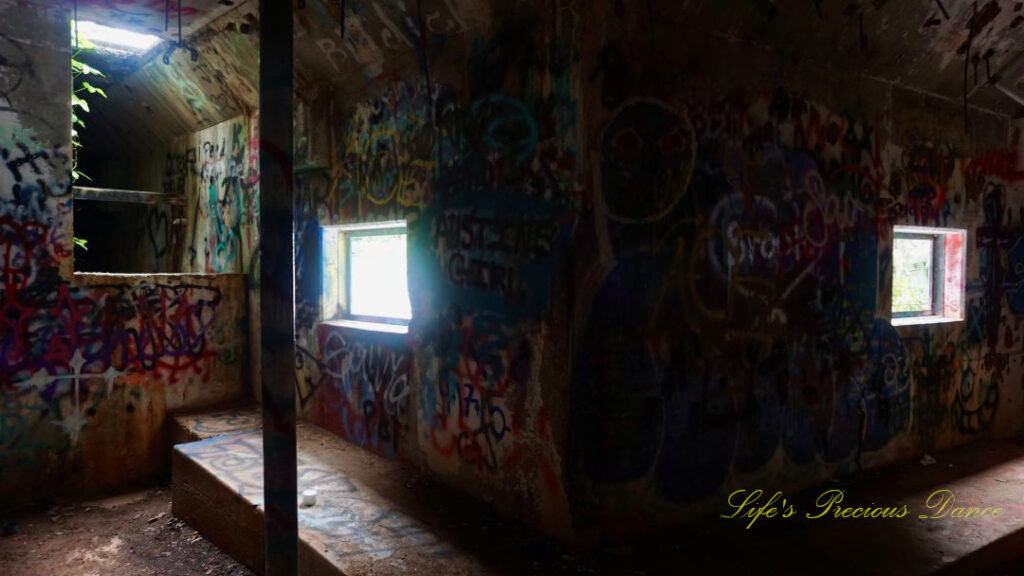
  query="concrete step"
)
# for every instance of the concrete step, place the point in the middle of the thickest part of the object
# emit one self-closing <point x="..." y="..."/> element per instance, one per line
<point x="202" y="425"/>
<point x="372" y="516"/>
<point x="375" y="516"/>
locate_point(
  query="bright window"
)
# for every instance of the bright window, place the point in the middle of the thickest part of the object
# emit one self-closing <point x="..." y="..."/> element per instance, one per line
<point x="91" y="33"/>
<point x="366" y="273"/>
<point x="913" y="278"/>
<point x="927" y="274"/>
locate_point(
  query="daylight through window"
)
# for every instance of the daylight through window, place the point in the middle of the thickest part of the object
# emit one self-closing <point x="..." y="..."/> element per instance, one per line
<point x="366" y="273"/>
<point x="927" y="274"/>
<point x="91" y="33"/>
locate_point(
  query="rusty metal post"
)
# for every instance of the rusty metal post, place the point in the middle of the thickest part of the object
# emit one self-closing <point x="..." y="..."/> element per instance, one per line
<point x="277" y="289"/>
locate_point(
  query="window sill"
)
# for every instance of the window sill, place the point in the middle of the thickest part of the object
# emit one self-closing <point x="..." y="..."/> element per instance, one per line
<point x="380" y="327"/>
<point x="922" y="320"/>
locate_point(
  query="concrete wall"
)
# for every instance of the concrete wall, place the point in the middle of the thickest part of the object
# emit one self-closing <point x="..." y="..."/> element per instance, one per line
<point x="124" y="237"/>
<point x="216" y="170"/>
<point x="219" y="173"/>
<point x="647" y="267"/>
<point x="693" y="296"/>
<point x="732" y="309"/>
<point x="482" y="163"/>
<point x="89" y="365"/>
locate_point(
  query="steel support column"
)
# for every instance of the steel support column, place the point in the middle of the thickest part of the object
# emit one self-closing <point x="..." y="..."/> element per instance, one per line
<point x="277" y="289"/>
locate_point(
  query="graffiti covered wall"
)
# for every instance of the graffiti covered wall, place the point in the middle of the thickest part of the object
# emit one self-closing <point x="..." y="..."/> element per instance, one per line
<point x="89" y="364"/>
<point x="217" y="170"/>
<point x="641" y="273"/>
<point x="127" y="238"/>
<point x="708" y="251"/>
<point x="735" y="275"/>
<point x="480" y="157"/>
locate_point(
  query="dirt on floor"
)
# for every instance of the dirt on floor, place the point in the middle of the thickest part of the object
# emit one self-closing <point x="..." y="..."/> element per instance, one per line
<point x="135" y="534"/>
<point x="124" y="535"/>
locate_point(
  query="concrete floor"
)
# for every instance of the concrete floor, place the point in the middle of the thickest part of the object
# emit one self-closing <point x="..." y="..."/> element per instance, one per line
<point x="375" y="516"/>
<point x="132" y="534"/>
<point x="427" y="528"/>
<point x="982" y="474"/>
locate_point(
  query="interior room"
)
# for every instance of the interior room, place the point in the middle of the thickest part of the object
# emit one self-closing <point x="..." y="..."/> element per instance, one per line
<point x="511" y="287"/>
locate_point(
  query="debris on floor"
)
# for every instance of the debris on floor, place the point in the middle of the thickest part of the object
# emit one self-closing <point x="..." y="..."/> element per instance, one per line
<point x="128" y="534"/>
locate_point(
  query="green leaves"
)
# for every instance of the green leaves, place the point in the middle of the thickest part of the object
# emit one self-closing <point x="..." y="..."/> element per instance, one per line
<point x="78" y="67"/>
<point x="81" y="242"/>
<point x="80" y="105"/>
<point x="79" y="102"/>
<point x="93" y="90"/>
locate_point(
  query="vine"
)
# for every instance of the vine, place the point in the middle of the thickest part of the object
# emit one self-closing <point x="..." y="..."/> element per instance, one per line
<point x="81" y="89"/>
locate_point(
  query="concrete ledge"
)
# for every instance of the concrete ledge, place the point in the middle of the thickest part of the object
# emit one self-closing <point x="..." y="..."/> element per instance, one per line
<point x="222" y="516"/>
<point x="370" y="517"/>
<point x="200" y="426"/>
<point x="375" y="516"/>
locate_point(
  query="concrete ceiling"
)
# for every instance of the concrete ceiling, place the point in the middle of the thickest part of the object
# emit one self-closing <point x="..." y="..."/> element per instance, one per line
<point x="919" y="44"/>
<point x="151" y="103"/>
<point x="915" y="43"/>
<point x="159" y="17"/>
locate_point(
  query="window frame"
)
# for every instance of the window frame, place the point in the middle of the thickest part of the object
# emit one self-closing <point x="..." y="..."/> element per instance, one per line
<point x="936" y="272"/>
<point x="947" y="275"/>
<point x="345" y="233"/>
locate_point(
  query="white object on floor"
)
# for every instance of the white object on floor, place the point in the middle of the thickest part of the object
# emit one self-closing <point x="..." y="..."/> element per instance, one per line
<point x="309" y="497"/>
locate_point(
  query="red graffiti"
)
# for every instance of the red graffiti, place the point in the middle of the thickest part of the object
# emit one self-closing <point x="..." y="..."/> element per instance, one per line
<point x="1002" y="165"/>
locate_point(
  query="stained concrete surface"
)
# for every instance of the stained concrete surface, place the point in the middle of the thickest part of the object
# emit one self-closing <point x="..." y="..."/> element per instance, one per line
<point x="125" y="535"/>
<point x="203" y="425"/>
<point x="983" y="474"/>
<point x="134" y="533"/>
<point x="376" y="516"/>
<point x="372" y="515"/>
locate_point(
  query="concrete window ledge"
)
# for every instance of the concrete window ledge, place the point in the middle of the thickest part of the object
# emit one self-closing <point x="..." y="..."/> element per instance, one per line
<point x="143" y="275"/>
<point x="923" y="320"/>
<point x="379" y="327"/>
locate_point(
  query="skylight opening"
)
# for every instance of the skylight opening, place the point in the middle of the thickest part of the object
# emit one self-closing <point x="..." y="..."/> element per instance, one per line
<point x="112" y="38"/>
